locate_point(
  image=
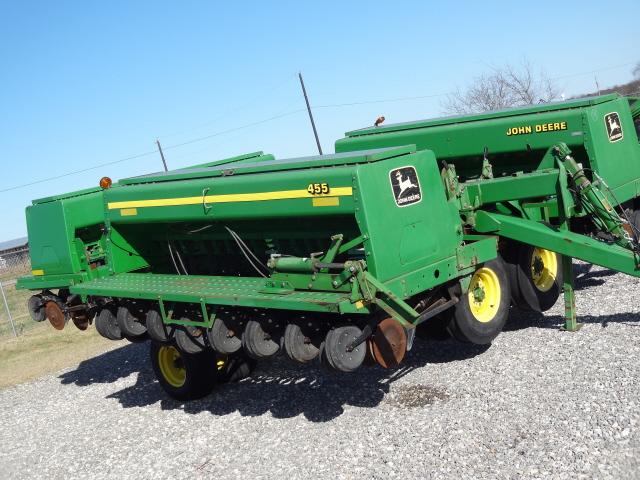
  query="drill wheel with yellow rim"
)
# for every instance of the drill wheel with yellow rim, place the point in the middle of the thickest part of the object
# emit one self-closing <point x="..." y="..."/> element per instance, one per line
<point x="181" y="375"/>
<point x="188" y="376"/>
<point x="535" y="275"/>
<point x="483" y="310"/>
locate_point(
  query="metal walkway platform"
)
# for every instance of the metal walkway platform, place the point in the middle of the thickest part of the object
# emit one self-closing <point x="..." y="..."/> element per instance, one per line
<point x="239" y="291"/>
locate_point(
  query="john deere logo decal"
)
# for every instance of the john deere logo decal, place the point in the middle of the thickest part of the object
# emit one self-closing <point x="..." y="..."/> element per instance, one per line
<point x="405" y="186"/>
<point x="614" y="128"/>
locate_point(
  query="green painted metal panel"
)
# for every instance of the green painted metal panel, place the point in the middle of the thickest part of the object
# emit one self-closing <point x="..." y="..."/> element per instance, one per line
<point x="508" y="112"/>
<point x="404" y="239"/>
<point x="517" y="140"/>
<point x="230" y="197"/>
<point x="261" y="166"/>
<point x="52" y="227"/>
<point x="562" y="241"/>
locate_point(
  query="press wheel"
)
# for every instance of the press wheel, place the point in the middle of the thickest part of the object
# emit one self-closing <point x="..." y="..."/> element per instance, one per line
<point x="158" y="331"/>
<point x="107" y="325"/>
<point x="190" y="339"/>
<point x="258" y="343"/>
<point x="35" y="306"/>
<point x="224" y="336"/>
<point x="131" y="322"/>
<point x="299" y="345"/>
<point x="335" y="351"/>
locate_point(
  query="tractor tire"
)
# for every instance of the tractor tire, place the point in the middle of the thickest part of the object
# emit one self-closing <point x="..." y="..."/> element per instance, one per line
<point x="482" y="312"/>
<point x="535" y="276"/>
<point x="181" y="375"/>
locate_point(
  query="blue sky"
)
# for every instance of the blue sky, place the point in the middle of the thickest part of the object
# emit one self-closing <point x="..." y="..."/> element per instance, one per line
<point x="87" y="83"/>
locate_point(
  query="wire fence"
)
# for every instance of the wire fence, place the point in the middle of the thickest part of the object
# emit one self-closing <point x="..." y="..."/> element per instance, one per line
<point x="14" y="317"/>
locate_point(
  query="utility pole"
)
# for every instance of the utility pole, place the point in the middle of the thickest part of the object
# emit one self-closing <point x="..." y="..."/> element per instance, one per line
<point x="164" y="162"/>
<point x="597" y="85"/>
<point x="313" y="124"/>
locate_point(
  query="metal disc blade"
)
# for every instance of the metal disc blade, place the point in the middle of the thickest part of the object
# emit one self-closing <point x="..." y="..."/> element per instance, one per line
<point x="388" y="343"/>
<point x="55" y="315"/>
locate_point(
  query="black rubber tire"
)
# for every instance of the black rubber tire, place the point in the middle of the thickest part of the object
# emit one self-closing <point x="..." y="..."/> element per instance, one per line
<point x="107" y="325"/>
<point x="190" y="339"/>
<point x="296" y="347"/>
<point x="634" y="218"/>
<point x="200" y="372"/>
<point x="156" y="329"/>
<point x="218" y="339"/>
<point x="138" y="338"/>
<point x="465" y="326"/>
<point x="237" y="367"/>
<point x="35" y="306"/>
<point x="436" y="328"/>
<point x="132" y="326"/>
<point x="524" y="292"/>
<point x="257" y="343"/>
<point x="335" y="349"/>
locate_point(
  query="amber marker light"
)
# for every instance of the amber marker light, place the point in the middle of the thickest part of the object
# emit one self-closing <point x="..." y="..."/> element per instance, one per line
<point x="105" y="182"/>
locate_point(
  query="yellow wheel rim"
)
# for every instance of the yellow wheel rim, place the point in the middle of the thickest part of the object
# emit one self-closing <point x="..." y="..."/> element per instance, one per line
<point x="221" y="362"/>
<point x="544" y="269"/>
<point x="484" y="294"/>
<point x="172" y="366"/>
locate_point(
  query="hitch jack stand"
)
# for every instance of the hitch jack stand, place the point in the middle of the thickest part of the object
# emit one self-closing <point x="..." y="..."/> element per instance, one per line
<point x="570" y="322"/>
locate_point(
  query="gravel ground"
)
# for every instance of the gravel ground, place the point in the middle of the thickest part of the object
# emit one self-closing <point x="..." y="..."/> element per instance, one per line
<point x="538" y="403"/>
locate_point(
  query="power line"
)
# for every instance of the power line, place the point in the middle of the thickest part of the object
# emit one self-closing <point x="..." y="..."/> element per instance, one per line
<point x="217" y="134"/>
<point x="593" y="71"/>
<point x="275" y="117"/>
<point x="387" y="100"/>
<point x="140" y="155"/>
<point x="132" y="157"/>
<point x="235" y="109"/>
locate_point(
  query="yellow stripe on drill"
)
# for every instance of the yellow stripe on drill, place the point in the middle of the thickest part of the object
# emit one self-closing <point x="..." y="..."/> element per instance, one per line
<point x="230" y="198"/>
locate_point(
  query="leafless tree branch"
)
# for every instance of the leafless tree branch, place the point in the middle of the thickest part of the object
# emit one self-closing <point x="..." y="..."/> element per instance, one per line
<point x="510" y="86"/>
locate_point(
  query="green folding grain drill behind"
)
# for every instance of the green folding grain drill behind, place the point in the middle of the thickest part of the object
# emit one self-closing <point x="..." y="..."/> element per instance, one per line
<point x="429" y="227"/>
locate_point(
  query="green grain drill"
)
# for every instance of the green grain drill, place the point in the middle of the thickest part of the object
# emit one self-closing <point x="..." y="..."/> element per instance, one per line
<point x="432" y="227"/>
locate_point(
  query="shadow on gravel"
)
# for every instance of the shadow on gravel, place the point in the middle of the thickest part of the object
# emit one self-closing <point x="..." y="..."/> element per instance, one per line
<point x="278" y="386"/>
<point x="585" y="277"/>
<point x="520" y="320"/>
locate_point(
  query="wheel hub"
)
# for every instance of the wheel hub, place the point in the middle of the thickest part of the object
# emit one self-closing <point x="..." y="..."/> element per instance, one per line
<point x="544" y="269"/>
<point x="484" y="294"/>
<point x="172" y="366"/>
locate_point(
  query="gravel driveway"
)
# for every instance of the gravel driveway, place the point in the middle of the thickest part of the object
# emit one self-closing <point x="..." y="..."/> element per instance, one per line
<point x="538" y="403"/>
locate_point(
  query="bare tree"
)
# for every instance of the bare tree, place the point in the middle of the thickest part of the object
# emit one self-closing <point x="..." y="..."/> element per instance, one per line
<point x="509" y="86"/>
<point x="636" y="70"/>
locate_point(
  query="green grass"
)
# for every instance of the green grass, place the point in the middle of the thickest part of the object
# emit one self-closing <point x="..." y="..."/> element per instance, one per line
<point x="39" y="348"/>
<point x="43" y="350"/>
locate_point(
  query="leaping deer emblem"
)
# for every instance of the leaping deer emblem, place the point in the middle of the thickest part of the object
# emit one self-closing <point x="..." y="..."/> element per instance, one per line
<point x="405" y="184"/>
<point x="613" y="125"/>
